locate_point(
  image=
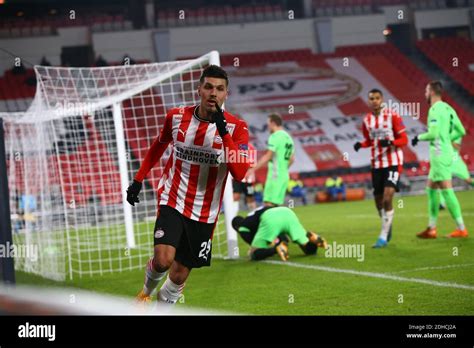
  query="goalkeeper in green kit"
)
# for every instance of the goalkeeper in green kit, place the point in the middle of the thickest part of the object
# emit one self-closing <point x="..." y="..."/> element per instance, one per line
<point x="267" y="229"/>
<point x="279" y="156"/>
<point x="444" y="127"/>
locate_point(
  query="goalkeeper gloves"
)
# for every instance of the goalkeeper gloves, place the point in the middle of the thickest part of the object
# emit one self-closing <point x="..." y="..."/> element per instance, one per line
<point x="357" y="146"/>
<point x="385" y="142"/>
<point x="220" y="121"/>
<point x="414" y="141"/>
<point x="133" y="191"/>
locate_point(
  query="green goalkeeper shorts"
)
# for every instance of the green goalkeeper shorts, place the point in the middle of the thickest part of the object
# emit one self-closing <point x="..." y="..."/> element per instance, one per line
<point x="441" y="169"/>
<point x="275" y="191"/>
<point x="275" y="221"/>
<point x="459" y="169"/>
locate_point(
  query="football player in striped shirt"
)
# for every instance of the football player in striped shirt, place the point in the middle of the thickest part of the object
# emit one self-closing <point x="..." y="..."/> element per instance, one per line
<point x="207" y="143"/>
<point x="246" y="186"/>
<point x="385" y="135"/>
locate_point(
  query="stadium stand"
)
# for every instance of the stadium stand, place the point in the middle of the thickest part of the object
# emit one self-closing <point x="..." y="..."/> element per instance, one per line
<point x="385" y="62"/>
<point x="218" y="15"/>
<point x="16" y="91"/>
<point x="48" y="25"/>
<point x="462" y="49"/>
<point x="116" y="18"/>
<point x="99" y="181"/>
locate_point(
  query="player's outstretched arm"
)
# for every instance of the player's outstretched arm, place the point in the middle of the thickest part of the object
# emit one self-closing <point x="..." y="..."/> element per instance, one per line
<point x="399" y="134"/>
<point x="401" y="139"/>
<point x="263" y="160"/>
<point x="458" y="129"/>
<point x="366" y="143"/>
<point x="432" y="134"/>
<point x="153" y="155"/>
<point x="433" y="129"/>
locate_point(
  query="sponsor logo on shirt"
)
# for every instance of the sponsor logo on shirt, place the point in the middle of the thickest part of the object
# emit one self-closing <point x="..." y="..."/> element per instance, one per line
<point x="197" y="155"/>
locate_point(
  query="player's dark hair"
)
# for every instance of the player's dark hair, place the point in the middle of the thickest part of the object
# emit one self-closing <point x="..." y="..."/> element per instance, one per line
<point x="436" y="86"/>
<point x="236" y="222"/>
<point x="275" y="118"/>
<point x="376" y="90"/>
<point x="310" y="248"/>
<point x="214" y="71"/>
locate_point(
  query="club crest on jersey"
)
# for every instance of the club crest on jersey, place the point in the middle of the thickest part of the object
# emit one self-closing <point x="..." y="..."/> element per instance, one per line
<point x="218" y="139"/>
<point x="230" y="128"/>
<point x="159" y="233"/>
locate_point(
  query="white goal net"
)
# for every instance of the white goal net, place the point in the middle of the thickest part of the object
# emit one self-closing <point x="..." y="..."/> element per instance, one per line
<point x="72" y="154"/>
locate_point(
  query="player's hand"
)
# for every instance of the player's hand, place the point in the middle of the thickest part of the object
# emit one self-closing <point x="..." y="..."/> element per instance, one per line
<point x="357" y="146"/>
<point x="133" y="192"/>
<point x="414" y="141"/>
<point x="220" y="121"/>
<point x="249" y="174"/>
<point x="385" y="142"/>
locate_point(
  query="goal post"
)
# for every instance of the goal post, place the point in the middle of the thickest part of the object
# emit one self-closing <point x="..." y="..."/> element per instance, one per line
<point x="72" y="154"/>
<point x="7" y="271"/>
<point x="228" y="199"/>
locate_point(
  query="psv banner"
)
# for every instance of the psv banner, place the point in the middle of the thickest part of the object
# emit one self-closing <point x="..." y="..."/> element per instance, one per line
<point x="322" y="104"/>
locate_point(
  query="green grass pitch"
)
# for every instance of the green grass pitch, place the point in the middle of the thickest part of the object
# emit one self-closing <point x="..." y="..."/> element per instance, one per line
<point x="425" y="277"/>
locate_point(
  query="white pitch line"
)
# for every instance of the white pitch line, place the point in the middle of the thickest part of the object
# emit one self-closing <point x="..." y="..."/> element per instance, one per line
<point x="374" y="275"/>
<point x="400" y="215"/>
<point x="433" y="268"/>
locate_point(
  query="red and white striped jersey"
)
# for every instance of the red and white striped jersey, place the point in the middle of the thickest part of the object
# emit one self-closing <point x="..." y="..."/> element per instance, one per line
<point x="387" y="125"/>
<point x="194" y="177"/>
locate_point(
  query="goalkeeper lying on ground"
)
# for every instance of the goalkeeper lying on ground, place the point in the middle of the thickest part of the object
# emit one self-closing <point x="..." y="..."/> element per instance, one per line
<point x="266" y="228"/>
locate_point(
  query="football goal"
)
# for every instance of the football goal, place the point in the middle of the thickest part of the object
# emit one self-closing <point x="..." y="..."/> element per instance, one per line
<point x="73" y="153"/>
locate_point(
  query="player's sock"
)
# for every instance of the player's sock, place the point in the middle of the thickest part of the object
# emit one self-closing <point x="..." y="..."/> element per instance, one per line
<point x="442" y="201"/>
<point x="236" y="207"/>
<point x="454" y="207"/>
<point x="170" y="292"/>
<point x="390" y="229"/>
<point x="387" y="218"/>
<point x="472" y="183"/>
<point x="152" y="278"/>
<point x="260" y="254"/>
<point x="433" y="206"/>
<point x="381" y="215"/>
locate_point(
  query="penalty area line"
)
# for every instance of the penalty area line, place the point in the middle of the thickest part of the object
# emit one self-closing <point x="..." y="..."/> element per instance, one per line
<point x="373" y="275"/>
<point x="433" y="268"/>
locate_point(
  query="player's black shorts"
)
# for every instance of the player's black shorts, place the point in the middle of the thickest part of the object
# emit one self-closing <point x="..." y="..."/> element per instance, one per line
<point x="243" y="187"/>
<point x="385" y="177"/>
<point x="192" y="239"/>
